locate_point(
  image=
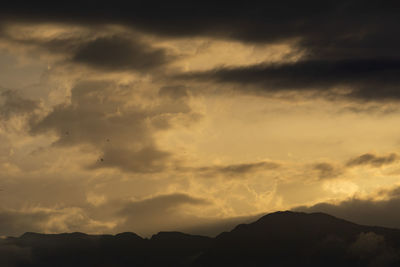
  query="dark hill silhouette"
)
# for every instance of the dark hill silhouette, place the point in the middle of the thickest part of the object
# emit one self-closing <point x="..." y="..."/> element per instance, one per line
<point x="277" y="239"/>
<point x="300" y="239"/>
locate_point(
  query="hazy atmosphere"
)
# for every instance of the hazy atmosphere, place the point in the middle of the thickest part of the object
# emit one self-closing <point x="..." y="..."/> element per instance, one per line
<point x="197" y="117"/>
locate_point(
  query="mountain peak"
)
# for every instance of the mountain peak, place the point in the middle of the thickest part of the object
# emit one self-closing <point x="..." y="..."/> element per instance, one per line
<point x="290" y="217"/>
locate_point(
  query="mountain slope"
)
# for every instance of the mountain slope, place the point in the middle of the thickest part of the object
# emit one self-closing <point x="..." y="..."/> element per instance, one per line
<point x="300" y="239"/>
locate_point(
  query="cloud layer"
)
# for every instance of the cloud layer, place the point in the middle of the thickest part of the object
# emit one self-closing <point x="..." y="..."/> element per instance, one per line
<point x="368" y="211"/>
<point x="138" y="117"/>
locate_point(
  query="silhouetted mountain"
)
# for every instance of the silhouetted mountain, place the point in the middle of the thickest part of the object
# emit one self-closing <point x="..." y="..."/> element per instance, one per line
<point x="277" y="239"/>
<point x="299" y="239"/>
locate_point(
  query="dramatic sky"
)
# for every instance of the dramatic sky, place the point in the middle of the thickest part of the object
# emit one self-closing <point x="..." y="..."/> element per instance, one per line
<point x="194" y="117"/>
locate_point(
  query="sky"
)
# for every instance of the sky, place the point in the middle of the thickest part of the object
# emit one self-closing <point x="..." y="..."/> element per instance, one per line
<point x="197" y="116"/>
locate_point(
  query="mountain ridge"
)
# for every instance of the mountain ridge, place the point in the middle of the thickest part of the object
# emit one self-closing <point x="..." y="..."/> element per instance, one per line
<point x="283" y="238"/>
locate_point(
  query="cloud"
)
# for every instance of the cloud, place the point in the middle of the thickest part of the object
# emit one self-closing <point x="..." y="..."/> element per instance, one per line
<point x="13" y="104"/>
<point x="144" y="216"/>
<point x="237" y="169"/>
<point x="176" y="92"/>
<point x="146" y="160"/>
<point x="120" y="53"/>
<point x="334" y="29"/>
<point x="327" y="170"/>
<point x="350" y="46"/>
<point x="161" y="203"/>
<point x="372" y="160"/>
<point x="108" y="50"/>
<point x="256" y="23"/>
<point x="359" y="79"/>
<point x="373" y="248"/>
<point x="14" y="222"/>
<point x="368" y="243"/>
<point x="363" y="211"/>
<point x="101" y="115"/>
<point x="176" y="211"/>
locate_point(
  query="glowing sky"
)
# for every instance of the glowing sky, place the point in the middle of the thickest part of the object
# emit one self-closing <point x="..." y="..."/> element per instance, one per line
<point x="145" y="121"/>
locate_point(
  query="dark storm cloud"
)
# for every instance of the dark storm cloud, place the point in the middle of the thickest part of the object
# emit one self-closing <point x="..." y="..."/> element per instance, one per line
<point x="372" y="160"/>
<point x="364" y="211"/>
<point x="326" y="29"/>
<point x="119" y="53"/>
<point x="110" y="52"/>
<point x="316" y="21"/>
<point x="94" y="46"/>
<point x="238" y="169"/>
<point x="364" y="79"/>
<point x="12" y="103"/>
<point x="353" y="44"/>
